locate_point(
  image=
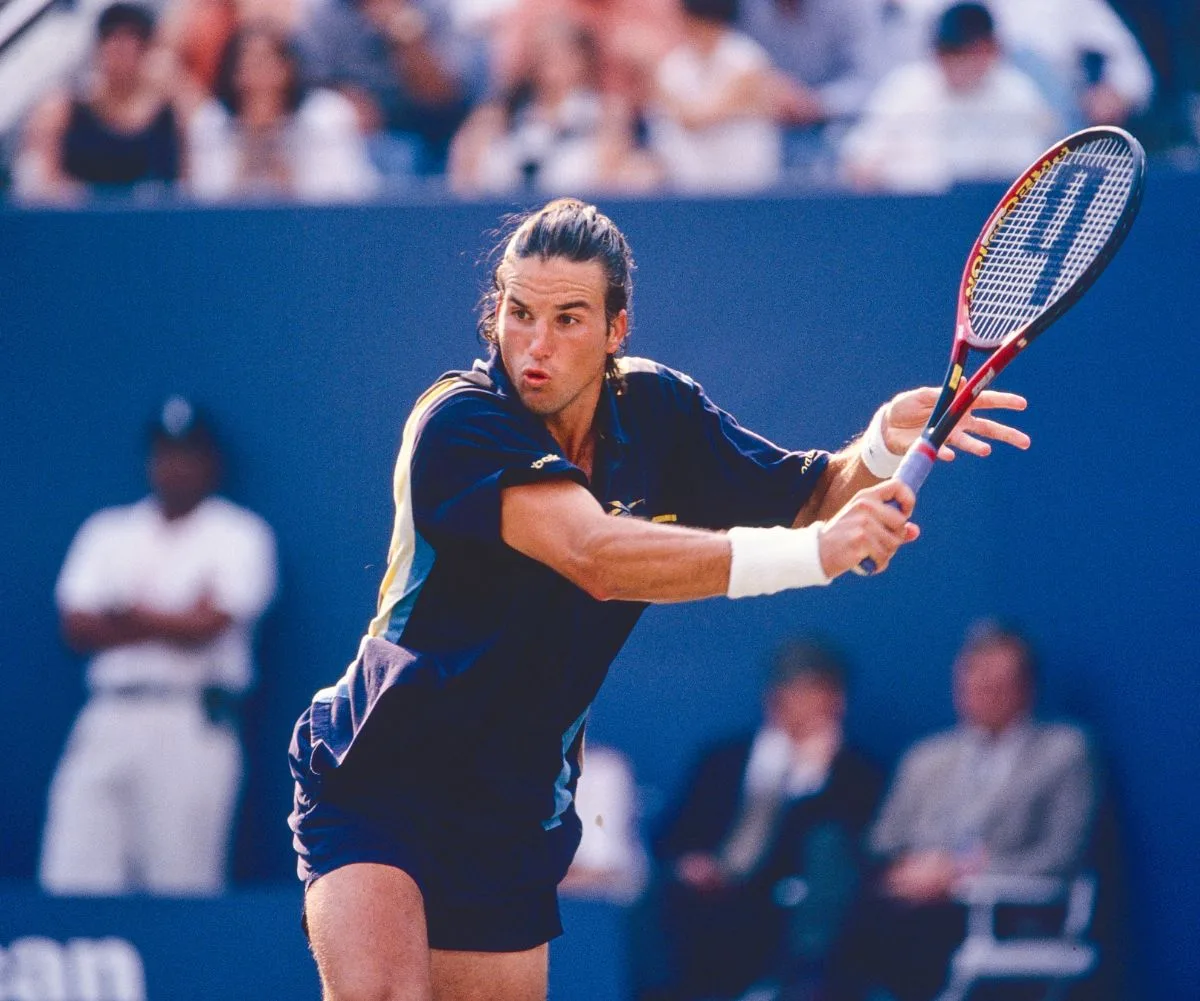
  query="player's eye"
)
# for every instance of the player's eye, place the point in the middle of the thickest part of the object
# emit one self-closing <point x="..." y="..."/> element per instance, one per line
<point x="519" y="313"/>
<point x="567" y="320"/>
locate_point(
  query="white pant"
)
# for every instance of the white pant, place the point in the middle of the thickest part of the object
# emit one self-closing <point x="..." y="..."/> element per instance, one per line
<point x="142" y="801"/>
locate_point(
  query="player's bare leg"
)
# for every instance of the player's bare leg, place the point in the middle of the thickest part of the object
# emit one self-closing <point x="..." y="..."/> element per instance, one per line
<point x="490" y="976"/>
<point x="366" y="923"/>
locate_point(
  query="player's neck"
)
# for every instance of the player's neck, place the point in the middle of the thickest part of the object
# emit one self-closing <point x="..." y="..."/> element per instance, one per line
<point x="574" y="428"/>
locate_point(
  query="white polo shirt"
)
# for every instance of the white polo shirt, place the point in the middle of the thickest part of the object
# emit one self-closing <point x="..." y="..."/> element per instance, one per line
<point x="132" y="555"/>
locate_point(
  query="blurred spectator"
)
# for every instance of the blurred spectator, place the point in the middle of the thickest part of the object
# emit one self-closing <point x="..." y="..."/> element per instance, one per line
<point x="759" y="859"/>
<point x="827" y="51"/>
<point x="196" y="33"/>
<point x="115" y="133"/>
<point x="407" y="74"/>
<point x="557" y="132"/>
<point x="610" y="863"/>
<point x="632" y="36"/>
<point x="713" y="125"/>
<point x="965" y="114"/>
<point x="999" y="794"/>
<point x="1080" y="52"/>
<point x="164" y="595"/>
<point x="265" y="136"/>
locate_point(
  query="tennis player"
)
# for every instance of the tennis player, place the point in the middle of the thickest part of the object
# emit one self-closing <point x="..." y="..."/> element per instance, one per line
<point x="433" y="803"/>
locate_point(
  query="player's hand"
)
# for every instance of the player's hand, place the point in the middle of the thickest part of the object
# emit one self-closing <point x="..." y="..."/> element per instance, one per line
<point x="908" y="412"/>
<point x="868" y="526"/>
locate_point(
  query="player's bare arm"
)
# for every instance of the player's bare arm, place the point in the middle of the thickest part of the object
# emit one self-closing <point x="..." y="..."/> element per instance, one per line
<point x="562" y="525"/>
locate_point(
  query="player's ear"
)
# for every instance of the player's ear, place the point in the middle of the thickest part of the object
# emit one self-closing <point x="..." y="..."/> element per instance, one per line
<point x="618" y="330"/>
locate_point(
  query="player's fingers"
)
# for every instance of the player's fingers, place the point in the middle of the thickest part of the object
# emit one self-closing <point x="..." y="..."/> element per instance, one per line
<point x="997" y="431"/>
<point x="901" y="493"/>
<point x="912" y="532"/>
<point x="970" y="444"/>
<point x="946" y="453"/>
<point x="994" y="399"/>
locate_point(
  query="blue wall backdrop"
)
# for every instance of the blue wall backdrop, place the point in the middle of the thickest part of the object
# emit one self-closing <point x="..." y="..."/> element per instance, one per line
<point x="310" y="333"/>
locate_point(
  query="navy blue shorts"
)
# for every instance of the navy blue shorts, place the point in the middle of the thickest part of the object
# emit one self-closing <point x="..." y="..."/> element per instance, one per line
<point x="485" y="889"/>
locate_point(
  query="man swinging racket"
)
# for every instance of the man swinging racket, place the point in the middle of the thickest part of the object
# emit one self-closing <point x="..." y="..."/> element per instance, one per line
<point x="433" y="808"/>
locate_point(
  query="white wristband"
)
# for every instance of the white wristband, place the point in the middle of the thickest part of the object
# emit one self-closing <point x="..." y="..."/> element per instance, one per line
<point x="768" y="560"/>
<point x="874" y="452"/>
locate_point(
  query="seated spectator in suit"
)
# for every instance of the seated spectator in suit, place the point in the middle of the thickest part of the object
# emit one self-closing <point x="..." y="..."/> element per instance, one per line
<point x="964" y="114"/>
<point x="116" y="134"/>
<point x="713" y="119"/>
<point x="768" y="820"/>
<point x="264" y="135"/>
<point x="999" y="794"/>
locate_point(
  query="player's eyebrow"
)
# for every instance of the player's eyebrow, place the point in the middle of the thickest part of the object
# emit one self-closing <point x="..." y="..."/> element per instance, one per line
<point x="576" y="304"/>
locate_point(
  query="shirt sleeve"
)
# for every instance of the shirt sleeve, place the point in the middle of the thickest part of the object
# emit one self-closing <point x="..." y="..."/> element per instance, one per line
<point x="246" y="576"/>
<point x="468" y="450"/>
<point x="732" y="476"/>
<point x="85" y="583"/>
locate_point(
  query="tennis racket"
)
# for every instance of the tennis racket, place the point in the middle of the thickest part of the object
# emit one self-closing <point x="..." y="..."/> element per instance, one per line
<point x="1052" y="234"/>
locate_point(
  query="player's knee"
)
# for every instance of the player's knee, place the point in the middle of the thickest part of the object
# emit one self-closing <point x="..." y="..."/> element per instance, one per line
<point x="375" y="984"/>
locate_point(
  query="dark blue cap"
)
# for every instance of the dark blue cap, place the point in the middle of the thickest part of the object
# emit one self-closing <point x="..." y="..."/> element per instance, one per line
<point x="962" y="25"/>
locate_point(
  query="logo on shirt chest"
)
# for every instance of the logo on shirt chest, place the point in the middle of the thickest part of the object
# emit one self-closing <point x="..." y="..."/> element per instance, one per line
<point x="635" y="509"/>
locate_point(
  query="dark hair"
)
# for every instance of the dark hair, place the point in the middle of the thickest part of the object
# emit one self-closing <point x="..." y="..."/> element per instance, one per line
<point x="571" y="229"/>
<point x="225" y="89"/>
<point x="809" y="657"/>
<point x="963" y="25"/>
<point x="720" y="11"/>
<point x="995" y="632"/>
<point x="129" y="17"/>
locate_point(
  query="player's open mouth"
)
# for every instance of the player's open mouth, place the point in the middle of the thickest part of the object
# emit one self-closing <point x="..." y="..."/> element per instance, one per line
<point x="535" y="378"/>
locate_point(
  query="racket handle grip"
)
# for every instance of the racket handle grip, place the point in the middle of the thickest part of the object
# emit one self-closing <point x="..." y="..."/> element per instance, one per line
<point x="913" y="471"/>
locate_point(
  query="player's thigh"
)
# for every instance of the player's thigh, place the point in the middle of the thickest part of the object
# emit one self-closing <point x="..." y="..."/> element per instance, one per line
<point x="366" y="925"/>
<point x="490" y="976"/>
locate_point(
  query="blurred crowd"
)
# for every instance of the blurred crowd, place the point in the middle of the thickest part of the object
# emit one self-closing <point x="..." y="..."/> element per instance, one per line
<point x="347" y="100"/>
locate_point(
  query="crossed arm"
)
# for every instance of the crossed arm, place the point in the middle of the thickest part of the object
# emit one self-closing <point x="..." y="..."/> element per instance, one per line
<point x="86" y="632"/>
<point x="560" y="524"/>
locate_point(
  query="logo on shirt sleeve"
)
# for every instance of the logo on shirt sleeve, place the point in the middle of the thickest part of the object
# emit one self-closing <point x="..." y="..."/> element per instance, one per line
<point x="544" y="460"/>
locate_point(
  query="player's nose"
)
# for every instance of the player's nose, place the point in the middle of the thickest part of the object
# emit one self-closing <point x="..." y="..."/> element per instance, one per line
<point x="539" y="346"/>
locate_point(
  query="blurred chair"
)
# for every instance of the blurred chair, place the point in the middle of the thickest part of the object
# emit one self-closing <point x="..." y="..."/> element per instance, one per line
<point x="1059" y="958"/>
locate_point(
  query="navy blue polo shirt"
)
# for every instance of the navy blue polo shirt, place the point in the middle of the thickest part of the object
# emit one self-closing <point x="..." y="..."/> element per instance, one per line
<point x="473" y="684"/>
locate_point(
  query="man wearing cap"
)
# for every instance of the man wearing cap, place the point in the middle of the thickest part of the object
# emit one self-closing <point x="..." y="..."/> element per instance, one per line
<point x="163" y="596"/>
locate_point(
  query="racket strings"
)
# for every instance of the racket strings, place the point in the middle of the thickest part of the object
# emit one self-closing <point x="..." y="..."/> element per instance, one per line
<point x="1049" y="238"/>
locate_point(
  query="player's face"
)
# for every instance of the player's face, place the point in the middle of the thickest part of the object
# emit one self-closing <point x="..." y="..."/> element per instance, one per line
<point x="991" y="687"/>
<point x="554" y="340"/>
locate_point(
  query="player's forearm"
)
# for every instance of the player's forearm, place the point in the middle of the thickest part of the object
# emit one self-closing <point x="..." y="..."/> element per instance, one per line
<point x="632" y="560"/>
